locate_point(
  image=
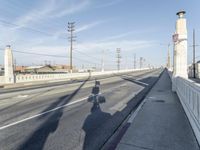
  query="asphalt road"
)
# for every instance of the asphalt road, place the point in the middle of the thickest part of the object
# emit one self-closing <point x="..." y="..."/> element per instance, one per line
<point x="79" y="115"/>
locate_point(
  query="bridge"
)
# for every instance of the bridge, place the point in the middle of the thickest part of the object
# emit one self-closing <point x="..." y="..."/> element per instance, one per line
<point x="148" y="108"/>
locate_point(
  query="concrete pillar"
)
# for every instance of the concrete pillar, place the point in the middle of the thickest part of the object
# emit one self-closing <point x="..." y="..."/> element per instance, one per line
<point x="180" y="47"/>
<point x="8" y="65"/>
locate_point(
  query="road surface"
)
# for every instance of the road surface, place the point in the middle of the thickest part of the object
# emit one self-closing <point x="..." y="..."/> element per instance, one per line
<point x="78" y="115"/>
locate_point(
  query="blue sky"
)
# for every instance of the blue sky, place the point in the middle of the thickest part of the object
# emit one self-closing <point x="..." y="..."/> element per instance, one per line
<point x="134" y="26"/>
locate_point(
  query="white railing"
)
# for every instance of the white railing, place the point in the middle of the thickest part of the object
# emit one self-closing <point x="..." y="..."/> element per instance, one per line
<point x="2" y="80"/>
<point x="46" y="77"/>
<point x="189" y="94"/>
<point x="20" y="78"/>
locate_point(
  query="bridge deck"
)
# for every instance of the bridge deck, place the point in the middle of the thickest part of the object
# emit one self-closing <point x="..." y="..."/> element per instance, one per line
<point x="161" y="123"/>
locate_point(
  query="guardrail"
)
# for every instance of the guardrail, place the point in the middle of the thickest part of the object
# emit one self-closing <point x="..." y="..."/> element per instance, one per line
<point x="2" y="79"/>
<point x="20" y="78"/>
<point x="189" y="94"/>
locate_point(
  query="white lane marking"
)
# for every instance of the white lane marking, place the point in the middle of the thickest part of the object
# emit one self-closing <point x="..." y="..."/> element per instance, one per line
<point x="21" y="96"/>
<point x="29" y="118"/>
<point x="137" y="80"/>
<point x="26" y="119"/>
<point x="141" y="82"/>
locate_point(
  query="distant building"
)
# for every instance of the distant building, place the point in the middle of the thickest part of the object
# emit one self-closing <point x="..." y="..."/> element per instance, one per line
<point x="197" y="70"/>
<point x="64" y="68"/>
<point x="19" y="69"/>
<point x="47" y="69"/>
<point x="39" y="69"/>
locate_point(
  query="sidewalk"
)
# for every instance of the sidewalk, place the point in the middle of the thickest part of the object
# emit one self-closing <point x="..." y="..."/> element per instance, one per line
<point x="161" y="123"/>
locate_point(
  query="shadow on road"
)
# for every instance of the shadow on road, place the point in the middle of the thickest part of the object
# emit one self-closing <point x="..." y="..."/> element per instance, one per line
<point x="95" y="119"/>
<point x="37" y="140"/>
<point x="99" y="126"/>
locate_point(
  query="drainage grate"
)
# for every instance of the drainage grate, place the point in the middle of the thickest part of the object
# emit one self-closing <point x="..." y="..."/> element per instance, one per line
<point x="159" y="101"/>
<point x="160" y="90"/>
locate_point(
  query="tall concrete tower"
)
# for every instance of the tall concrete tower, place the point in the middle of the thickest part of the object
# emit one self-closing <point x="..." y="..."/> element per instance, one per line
<point x="180" y="47"/>
<point x="8" y="65"/>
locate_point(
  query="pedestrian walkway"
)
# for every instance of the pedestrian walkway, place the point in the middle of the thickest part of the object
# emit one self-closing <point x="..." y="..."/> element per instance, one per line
<point x="161" y="123"/>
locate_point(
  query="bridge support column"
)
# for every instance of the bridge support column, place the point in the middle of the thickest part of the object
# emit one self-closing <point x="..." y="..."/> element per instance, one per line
<point x="8" y="66"/>
<point x="180" y="48"/>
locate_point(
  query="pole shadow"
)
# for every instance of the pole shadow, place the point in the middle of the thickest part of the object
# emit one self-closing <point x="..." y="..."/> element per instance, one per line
<point x="95" y="119"/>
<point x="38" y="138"/>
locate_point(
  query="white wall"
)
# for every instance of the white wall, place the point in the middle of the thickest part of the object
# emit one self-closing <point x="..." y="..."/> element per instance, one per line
<point x="48" y="77"/>
<point x="2" y="79"/>
<point x="189" y="94"/>
<point x="45" y="77"/>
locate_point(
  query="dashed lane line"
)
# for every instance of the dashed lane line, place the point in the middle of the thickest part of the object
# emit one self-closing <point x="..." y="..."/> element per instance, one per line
<point x="46" y="112"/>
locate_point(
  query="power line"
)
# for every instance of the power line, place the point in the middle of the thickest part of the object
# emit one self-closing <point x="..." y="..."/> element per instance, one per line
<point x="82" y="44"/>
<point x="49" y="55"/>
<point x="31" y="53"/>
<point x="194" y="51"/>
<point x="47" y="34"/>
<point x="28" y="28"/>
<point x="75" y="50"/>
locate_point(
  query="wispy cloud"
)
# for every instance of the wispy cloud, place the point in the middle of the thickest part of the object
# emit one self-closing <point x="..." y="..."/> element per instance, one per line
<point x="62" y="33"/>
<point x="96" y="47"/>
<point x="52" y="9"/>
<point x="73" y="7"/>
<point x="88" y="26"/>
<point x="126" y="45"/>
<point x="109" y="3"/>
<point x="118" y="36"/>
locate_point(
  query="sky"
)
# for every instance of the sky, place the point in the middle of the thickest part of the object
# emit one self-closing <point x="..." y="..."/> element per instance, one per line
<point x="142" y="27"/>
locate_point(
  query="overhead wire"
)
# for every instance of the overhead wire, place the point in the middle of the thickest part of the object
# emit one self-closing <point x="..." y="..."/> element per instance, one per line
<point x="49" y="55"/>
<point x="48" y="34"/>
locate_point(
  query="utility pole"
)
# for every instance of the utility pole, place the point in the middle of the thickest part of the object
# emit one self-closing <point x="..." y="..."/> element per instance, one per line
<point x="45" y="62"/>
<point x="141" y="62"/>
<point x="134" y="61"/>
<point x="15" y="65"/>
<point x="168" y="61"/>
<point x="118" y="58"/>
<point x="102" y="61"/>
<point x="194" y="46"/>
<point x="71" y="29"/>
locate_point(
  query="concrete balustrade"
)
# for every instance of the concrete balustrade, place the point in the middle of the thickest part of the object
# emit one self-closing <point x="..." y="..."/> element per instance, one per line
<point x="20" y="78"/>
<point x="189" y="94"/>
<point x="2" y="79"/>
